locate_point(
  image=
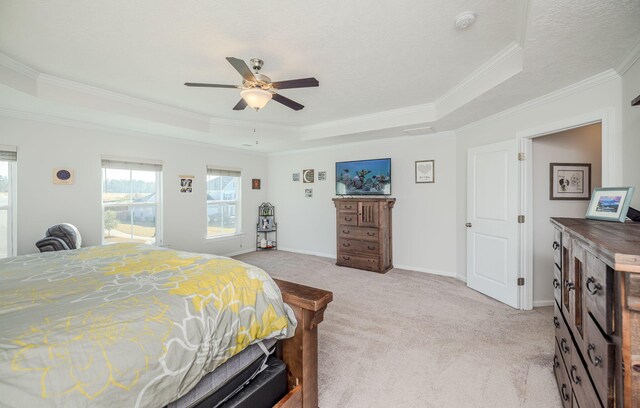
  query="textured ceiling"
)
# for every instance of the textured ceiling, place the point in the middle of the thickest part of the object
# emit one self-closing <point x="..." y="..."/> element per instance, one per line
<point x="370" y="57"/>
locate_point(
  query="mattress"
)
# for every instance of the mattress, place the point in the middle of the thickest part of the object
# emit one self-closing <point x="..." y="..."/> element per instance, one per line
<point x="227" y="379"/>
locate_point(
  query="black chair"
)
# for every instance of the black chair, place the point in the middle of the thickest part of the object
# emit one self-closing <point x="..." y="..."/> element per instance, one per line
<point x="60" y="237"/>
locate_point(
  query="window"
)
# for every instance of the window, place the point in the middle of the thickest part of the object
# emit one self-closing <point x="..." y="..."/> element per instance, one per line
<point x="223" y="202"/>
<point x="131" y="202"/>
<point x="8" y="157"/>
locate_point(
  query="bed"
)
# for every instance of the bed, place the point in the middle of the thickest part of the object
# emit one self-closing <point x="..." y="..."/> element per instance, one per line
<point x="136" y="325"/>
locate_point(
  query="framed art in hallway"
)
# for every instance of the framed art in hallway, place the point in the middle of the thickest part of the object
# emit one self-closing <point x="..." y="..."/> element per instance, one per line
<point x="569" y="181"/>
<point x="425" y="170"/>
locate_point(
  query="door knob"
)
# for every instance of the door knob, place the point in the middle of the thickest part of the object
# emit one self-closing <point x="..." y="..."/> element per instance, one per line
<point x="468" y="225"/>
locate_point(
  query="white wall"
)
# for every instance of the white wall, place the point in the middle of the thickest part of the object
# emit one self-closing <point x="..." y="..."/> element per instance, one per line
<point x="579" y="145"/>
<point x="599" y="96"/>
<point x="44" y="146"/>
<point x="631" y="130"/>
<point x="423" y="216"/>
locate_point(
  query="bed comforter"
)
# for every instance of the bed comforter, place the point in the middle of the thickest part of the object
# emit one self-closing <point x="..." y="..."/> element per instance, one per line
<point x="126" y="324"/>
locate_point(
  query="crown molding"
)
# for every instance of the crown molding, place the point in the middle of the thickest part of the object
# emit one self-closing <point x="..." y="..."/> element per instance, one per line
<point x="524" y="12"/>
<point x="495" y="71"/>
<point x="213" y="121"/>
<point x="632" y="56"/>
<point x="79" y="124"/>
<point x="579" y="86"/>
<point x="46" y="79"/>
<point x="18" y="67"/>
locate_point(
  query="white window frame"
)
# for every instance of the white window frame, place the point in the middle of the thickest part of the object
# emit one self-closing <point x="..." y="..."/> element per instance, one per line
<point x="131" y="165"/>
<point x="220" y="171"/>
<point x="9" y="154"/>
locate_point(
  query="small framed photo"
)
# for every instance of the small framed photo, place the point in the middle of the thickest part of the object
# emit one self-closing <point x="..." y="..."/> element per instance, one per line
<point x="265" y="223"/>
<point x="295" y="177"/>
<point x="308" y="176"/>
<point x="569" y="181"/>
<point x="255" y="184"/>
<point x="322" y="176"/>
<point x="425" y="171"/>
<point x="64" y="176"/>
<point x="186" y="184"/>
<point x="308" y="192"/>
<point x="610" y="203"/>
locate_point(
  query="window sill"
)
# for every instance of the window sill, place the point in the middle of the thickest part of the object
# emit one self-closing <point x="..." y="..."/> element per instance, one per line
<point x="225" y="237"/>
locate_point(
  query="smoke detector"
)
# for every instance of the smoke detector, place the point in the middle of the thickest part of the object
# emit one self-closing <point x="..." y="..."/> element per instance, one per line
<point x="465" y="20"/>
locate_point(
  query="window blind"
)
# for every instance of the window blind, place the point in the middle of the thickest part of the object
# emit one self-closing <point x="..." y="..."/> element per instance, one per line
<point x="221" y="172"/>
<point x="131" y="165"/>
<point x="8" y="153"/>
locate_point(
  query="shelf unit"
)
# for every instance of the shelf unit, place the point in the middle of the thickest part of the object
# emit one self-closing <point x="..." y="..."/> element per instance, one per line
<point x="267" y="228"/>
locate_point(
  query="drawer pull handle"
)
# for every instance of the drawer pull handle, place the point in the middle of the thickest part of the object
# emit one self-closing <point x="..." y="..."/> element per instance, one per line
<point x="556" y="363"/>
<point x="371" y="248"/>
<point x="348" y="219"/>
<point x="556" y="245"/>
<point x="576" y="380"/>
<point x="597" y="360"/>
<point x="556" y="322"/>
<point x="592" y="286"/>
<point x="556" y="283"/>
<point x="564" y="392"/>
<point x="346" y="258"/>
<point x="348" y="207"/>
<point x="346" y="244"/>
<point x="569" y="285"/>
<point x="346" y="231"/>
<point x="563" y="345"/>
<point x="371" y="234"/>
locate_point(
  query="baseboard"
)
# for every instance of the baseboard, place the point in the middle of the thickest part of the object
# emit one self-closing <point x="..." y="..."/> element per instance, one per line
<point x="461" y="277"/>
<point x="242" y="251"/>
<point x="301" y="251"/>
<point x="426" y="270"/>
<point x="543" y="303"/>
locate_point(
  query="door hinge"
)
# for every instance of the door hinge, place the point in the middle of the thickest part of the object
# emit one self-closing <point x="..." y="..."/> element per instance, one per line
<point x="520" y="281"/>
<point x="520" y="219"/>
<point x="521" y="156"/>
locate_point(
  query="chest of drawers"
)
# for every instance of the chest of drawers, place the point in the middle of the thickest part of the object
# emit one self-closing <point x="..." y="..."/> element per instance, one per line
<point x="364" y="237"/>
<point x="597" y="313"/>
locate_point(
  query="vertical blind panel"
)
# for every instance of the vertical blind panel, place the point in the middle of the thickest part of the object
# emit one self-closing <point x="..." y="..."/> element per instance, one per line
<point x="8" y="155"/>
<point x="130" y="165"/>
<point x="220" y="172"/>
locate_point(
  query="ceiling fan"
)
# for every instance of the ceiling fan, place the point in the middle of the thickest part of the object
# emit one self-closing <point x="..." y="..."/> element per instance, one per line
<point x="257" y="89"/>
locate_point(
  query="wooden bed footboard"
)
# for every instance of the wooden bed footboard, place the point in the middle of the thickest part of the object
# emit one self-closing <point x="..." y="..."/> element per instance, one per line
<point x="300" y="353"/>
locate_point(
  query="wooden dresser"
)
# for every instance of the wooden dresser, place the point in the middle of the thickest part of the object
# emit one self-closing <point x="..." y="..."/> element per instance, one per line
<point x="364" y="233"/>
<point x="597" y="312"/>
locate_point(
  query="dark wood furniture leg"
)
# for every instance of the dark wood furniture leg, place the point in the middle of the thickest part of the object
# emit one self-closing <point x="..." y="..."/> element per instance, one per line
<point x="300" y="353"/>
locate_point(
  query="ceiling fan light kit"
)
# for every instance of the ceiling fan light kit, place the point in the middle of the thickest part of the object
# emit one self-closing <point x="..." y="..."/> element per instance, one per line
<point x="258" y="89"/>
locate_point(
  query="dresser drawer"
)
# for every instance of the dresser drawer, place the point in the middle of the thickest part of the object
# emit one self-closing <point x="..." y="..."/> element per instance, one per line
<point x="366" y="234"/>
<point x="350" y="245"/>
<point x="348" y="207"/>
<point x="370" y="263"/>
<point x="563" y="337"/>
<point x="562" y="379"/>
<point x="597" y="291"/>
<point x="347" y="218"/>
<point x="557" y="285"/>
<point x="583" y="389"/>
<point x="557" y="248"/>
<point x="599" y="359"/>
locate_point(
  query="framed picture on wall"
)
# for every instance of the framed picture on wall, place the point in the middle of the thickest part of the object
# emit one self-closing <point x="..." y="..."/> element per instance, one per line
<point x="610" y="204"/>
<point x="425" y="171"/>
<point x="569" y="181"/>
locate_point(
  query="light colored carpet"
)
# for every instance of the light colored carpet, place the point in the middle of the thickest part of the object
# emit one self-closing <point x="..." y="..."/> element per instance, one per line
<point x="409" y="339"/>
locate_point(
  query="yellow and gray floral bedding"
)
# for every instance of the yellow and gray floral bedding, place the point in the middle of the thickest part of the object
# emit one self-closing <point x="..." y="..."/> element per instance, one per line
<point x="126" y="325"/>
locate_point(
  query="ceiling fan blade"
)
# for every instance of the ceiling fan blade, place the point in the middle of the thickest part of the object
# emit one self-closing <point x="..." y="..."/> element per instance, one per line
<point x="210" y="85"/>
<point x="240" y="105"/>
<point x="242" y="68"/>
<point x="296" y="83"/>
<point x="287" y="102"/>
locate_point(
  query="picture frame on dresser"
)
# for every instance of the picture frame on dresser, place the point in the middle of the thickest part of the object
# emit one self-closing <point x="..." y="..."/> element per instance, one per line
<point x="610" y="203"/>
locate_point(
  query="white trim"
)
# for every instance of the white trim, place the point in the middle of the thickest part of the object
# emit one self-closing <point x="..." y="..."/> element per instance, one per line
<point x="18" y="67"/>
<point x="579" y="86"/>
<point x="524" y="12"/>
<point x="8" y="148"/>
<point x="543" y="303"/>
<point x="607" y="118"/>
<point x="240" y="252"/>
<point x="427" y="270"/>
<point x="300" y="251"/>
<point x="632" y="56"/>
<point x="219" y="238"/>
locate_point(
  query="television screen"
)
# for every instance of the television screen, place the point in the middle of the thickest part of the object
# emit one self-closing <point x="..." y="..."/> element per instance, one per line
<point x="363" y="177"/>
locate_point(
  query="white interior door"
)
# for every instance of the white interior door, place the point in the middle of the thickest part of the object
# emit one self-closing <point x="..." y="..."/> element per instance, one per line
<point x="492" y="221"/>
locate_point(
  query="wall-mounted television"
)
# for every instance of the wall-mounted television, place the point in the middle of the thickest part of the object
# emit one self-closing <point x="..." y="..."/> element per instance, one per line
<point x="363" y="177"/>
